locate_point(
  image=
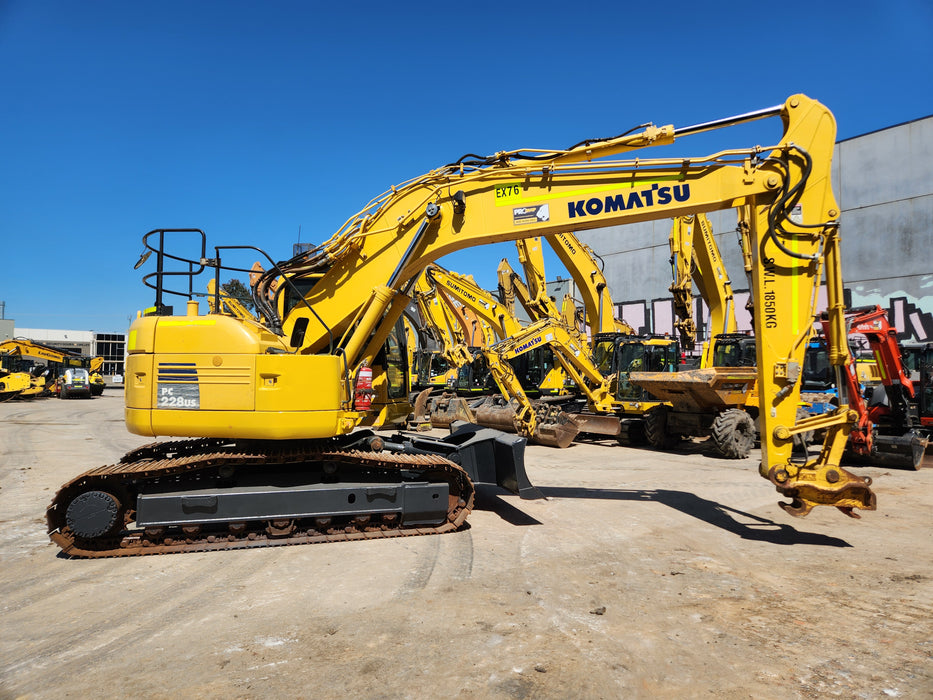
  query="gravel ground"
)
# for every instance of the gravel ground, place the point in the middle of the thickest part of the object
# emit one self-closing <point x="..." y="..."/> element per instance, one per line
<point x="642" y="575"/>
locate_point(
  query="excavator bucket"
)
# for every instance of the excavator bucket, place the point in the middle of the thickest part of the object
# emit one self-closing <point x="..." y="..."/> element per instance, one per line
<point x="446" y="409"/>
<point x="554" y="428"/>
<point x="558" y="434"/>
<point x="490" y="457"/>
<point x="597" y="424"/>
<point x="496" y="412"/>
<point x="904" y="451"/>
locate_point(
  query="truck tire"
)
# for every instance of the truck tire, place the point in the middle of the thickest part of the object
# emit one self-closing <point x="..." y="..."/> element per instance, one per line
<point x="632" y="432"/>
<point x="656" y="429"/>
<point x="734" y="433"/>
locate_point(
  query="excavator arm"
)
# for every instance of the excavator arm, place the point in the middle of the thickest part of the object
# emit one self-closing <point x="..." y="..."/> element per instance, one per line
<point x="445" y="322"/>
<point x="512" y="289"/>
<point x="531" y="257"/>
<point x="463" y="289"/>
<point x="699" y="264"/>
<point x="585" y="267"/>
<point x="481" y="333"/>
<point x="29" y="348"/>
<point x="358" y="282"/>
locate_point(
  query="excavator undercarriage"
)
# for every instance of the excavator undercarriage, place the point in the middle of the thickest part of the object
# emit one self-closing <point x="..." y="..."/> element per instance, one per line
<point x="208" y="494"/>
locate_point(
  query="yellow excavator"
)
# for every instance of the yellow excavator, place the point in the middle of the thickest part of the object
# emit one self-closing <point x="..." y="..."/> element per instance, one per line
<point x="617" y="350"/>
<point x="58" y="363"/>
<point x="473" y="378"/>
<point x="273" y="413"/>
<point x="472" y="397"/>
<point x="14" y="383"/>
<point x="531" y="294"/>
<point x="604" y="403"/>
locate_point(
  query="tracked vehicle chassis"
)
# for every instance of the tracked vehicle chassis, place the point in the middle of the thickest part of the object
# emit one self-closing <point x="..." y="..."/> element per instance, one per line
<point x="207" y="494"/>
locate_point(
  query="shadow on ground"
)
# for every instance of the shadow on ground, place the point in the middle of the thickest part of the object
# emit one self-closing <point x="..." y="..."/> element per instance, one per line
<point x="745" y="525"/>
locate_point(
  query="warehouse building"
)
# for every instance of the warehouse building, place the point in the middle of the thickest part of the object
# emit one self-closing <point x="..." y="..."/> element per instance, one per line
<point x="110" y="346"/>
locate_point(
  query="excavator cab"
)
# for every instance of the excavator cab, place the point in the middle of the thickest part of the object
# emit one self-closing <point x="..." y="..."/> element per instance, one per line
<point x="474" y="377"/>
<point x="734" y="350"/>
<point x="918" y="363"/>
<point x="432" y="369"/>
<point x="817" y="373"/>
<point x="531" y="369"/>
<point x="925" y="366"/>
<point x="619" y="354"/>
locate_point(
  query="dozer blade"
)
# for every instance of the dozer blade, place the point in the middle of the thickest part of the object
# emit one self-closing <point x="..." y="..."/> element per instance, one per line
<point x="902" y="451"/>
<point x="597" y="425"/>
<point x="489" y="457"/>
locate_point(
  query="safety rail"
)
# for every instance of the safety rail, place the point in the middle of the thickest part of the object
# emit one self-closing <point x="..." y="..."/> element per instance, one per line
<point x="196" y="267"/>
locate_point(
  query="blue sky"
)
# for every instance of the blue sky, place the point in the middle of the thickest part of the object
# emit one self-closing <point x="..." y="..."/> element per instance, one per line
<point x="252" y="119"/>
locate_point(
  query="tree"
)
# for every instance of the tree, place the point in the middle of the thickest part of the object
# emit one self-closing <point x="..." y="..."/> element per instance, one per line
<point x="239" y="291"/>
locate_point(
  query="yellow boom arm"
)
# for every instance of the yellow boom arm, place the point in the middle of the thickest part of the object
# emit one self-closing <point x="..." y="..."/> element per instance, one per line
<point x="699" y="263"/>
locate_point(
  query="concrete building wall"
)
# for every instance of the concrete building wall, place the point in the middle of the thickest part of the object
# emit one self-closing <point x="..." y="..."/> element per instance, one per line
<point x="81" y="341"/>
<point x="884" y="184"/>
<point x="6" y="329"/>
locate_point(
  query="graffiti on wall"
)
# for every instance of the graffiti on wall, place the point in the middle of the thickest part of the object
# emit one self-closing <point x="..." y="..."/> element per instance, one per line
<point x="913" y="323"/>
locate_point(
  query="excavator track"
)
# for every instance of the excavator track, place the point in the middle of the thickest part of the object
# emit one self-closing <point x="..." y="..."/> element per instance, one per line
<point x="106" y="498"/>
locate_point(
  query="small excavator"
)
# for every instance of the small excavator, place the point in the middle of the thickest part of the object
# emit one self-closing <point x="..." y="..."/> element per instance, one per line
<point x="893" y="425"/>
<point x="275" y="420"/>
<point x="601" y="402"/>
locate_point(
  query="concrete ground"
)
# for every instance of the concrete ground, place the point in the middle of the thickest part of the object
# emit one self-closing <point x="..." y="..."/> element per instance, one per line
<point x="643" y="575"/>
